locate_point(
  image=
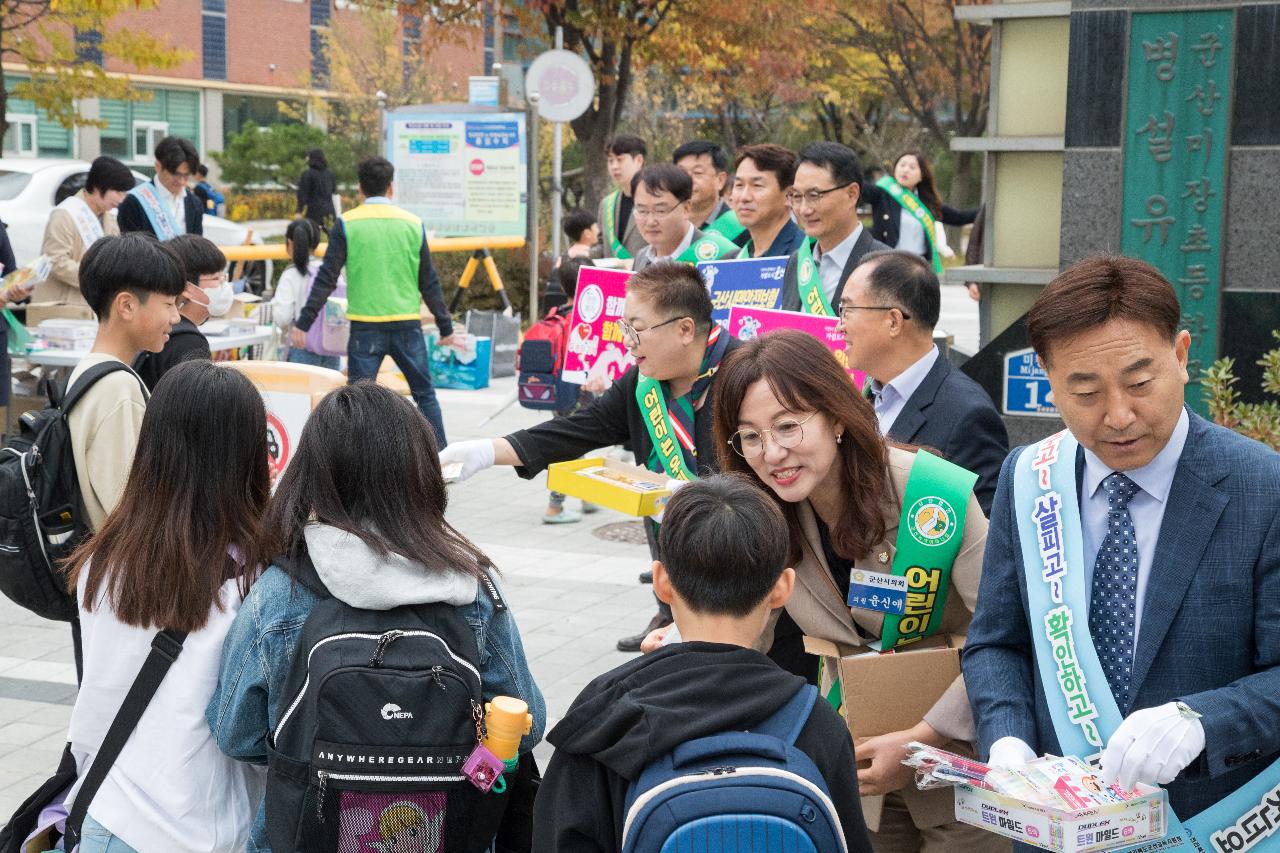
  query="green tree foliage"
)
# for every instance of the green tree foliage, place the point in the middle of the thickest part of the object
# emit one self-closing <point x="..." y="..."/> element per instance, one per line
<point x="275" y="156"/>
<point x="1259" y="421"/>
<point x="65" y="43"/>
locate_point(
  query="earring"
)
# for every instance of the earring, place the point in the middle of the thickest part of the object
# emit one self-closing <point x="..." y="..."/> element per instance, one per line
<point x="839" y="438"/>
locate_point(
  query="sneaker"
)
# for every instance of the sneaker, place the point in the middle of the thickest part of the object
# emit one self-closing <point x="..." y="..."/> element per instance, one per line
<point x="564" y="516"/>
<point x="632" y="644"/>
<point x="589" y="508"/>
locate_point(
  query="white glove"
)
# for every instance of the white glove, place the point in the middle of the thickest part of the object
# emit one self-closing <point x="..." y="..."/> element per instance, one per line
<point x="1009" y="753"/>
<point x="1153" y="746"/>
<point x="475" y="455"/>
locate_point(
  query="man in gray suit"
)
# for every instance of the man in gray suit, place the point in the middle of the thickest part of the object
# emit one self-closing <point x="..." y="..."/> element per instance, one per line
<point x="887" y="313"/>
<point x="824" y="201"/>
<point x="1130" y="596"/>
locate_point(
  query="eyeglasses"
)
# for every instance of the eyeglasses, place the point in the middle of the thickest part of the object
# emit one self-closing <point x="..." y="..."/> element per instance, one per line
<point x="796" y="199"/>
<point x="631" y="335"/>
<point x="654" y="213"/>
<point x="750" y="442"/>
<point x="845" y="309"/>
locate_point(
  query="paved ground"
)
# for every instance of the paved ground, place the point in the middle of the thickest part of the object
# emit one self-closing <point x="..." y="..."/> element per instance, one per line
<point x="573" y="592"/>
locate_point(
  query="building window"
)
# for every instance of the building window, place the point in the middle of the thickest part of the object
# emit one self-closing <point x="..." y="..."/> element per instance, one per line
<point x="214" y="39"/>
<point x="89" y="46"/>
<point x="320" y="14"/>
<point x="20" y="138"/>
<point x="146" y="135"/>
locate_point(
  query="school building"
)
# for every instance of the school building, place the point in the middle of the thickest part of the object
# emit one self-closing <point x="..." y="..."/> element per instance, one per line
<point x="246" y="58"/>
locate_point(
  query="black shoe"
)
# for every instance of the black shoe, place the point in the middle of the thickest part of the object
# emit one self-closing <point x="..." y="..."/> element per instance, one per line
<point x="632" y="644"/>
<point x="646" y="577"/>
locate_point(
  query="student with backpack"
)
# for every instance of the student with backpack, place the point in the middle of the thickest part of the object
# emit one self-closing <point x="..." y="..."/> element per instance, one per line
<point x="132" y="283"/>
<point x="657" y="752"/>
<point x="201" y="485"/>
<point x="294" y="288"/>
<point x="361" y="660"/>
<point x="207" y="294"/>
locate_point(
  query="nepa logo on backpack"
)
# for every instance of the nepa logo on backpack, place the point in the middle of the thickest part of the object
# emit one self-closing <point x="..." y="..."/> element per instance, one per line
<point x="754" y="785"/>
<point x="380" y="712"/>
<point x="41" y="518"/>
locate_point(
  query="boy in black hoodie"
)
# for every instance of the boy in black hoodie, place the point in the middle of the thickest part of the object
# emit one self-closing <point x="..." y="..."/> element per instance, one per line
<point x="723" y="548"/>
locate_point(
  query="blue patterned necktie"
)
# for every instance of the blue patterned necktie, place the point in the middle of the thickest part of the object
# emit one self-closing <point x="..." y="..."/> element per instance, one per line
<point x="1114" y="598"/>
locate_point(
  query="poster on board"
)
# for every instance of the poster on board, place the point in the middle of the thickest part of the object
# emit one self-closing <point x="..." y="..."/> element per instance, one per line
<point x="463" y="173"/>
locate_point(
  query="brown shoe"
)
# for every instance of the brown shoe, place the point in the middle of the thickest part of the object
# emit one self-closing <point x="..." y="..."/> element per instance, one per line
<point x="632" y="644"/>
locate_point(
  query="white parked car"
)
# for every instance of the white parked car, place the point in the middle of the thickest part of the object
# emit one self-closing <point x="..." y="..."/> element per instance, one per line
<point x="30" y="188"/>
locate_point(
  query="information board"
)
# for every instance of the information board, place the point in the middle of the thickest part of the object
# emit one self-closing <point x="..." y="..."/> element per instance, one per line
<point x="464" y="174"/>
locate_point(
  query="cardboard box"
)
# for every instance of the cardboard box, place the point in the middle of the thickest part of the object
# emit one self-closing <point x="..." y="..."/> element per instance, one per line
<point x="885" y="693"/>
<point x="40" y="311"/>
<point x="637" y="491"/>
<point x="1085" y="831"/>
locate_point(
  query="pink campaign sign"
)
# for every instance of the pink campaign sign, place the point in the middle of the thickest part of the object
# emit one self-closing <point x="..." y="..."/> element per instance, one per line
<point x="595" y="341"/>
<point x="748" y="323"/>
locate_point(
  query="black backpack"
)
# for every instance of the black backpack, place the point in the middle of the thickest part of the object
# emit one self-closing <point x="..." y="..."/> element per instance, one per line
<point x="379" y="712"/>
<point x="41" y="517"/>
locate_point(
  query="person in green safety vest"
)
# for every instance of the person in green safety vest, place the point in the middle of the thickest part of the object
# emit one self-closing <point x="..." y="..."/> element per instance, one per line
<point x="619" y="232"/>
<point x="662" y="196"/>
<point x="762" y="176"/>
<point x="708" y="167"/>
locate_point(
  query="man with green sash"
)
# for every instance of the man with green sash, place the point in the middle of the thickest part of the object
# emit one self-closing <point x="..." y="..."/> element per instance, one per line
<point x="762" y="177"/>
<point x="619" y="231"/>
<point x="662" y="196"/>
<point x="661" y="406"/>
<point x="708" y="165"/>
<point x="824" y="199"/>
<point x="1129" y="610"/>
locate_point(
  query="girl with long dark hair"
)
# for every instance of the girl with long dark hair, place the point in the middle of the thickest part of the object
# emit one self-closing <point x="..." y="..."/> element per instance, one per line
<point x="788" y="417"/>
<point x="895" y="224"/>
<point x="363" y="502"/>
<point x="301" y="238"/>
<point x="178" y="552"/>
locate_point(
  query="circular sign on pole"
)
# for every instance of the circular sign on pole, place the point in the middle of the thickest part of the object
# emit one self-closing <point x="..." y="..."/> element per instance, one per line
<point x="564" y="83"/>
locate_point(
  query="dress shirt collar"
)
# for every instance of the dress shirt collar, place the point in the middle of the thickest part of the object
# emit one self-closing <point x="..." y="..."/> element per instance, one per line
<point x="1156" y="477"/>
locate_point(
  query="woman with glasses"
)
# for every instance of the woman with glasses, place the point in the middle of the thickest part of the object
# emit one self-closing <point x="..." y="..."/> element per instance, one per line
<point x="789" y="418"/>
<point x="678" y="350"/>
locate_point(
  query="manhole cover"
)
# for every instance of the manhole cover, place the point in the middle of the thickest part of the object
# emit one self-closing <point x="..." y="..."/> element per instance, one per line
<point x="626" y="532"/>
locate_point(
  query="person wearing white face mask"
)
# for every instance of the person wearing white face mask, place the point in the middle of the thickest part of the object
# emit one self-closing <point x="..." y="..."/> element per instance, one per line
<point x="208" y="294"/>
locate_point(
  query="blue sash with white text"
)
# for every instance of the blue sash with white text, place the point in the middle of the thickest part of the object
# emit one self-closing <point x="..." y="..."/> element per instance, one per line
<point x="158" y="213"/>
<point x="1084" y="711"/>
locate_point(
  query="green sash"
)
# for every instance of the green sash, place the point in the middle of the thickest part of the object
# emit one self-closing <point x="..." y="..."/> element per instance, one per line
<point x="711" y="246"/>
<point x="727" y="225"/>
<point x="663" y="428"/>
<point x="930" y="530"/>
<point x="812" y="299"/>
<point x="611" y="203"/>
<point x="911" y="204"/>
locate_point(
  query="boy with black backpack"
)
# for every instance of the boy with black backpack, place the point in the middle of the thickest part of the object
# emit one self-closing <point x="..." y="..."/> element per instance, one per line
<point x="706" y="733"/>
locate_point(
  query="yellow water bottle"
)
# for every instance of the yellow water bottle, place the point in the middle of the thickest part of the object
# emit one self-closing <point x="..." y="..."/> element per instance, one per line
<point x="506" y="720"/>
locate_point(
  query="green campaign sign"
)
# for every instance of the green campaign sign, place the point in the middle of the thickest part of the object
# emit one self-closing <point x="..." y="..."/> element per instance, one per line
<point x="1175" y="163"/>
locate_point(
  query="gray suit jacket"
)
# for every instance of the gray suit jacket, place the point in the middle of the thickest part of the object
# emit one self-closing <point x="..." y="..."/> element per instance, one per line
<point x="645" y="256"/>
<point x="790" y="284"/>
<point x="1210" y="631"/>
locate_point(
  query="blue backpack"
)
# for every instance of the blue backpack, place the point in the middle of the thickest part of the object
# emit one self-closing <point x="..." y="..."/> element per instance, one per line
<point x="735" y="792"/>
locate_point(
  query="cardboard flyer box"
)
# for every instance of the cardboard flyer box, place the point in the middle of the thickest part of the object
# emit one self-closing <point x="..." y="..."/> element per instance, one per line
<point x="462" y="365"/>
<point x="38" y="312"/>
<point x="1085" y="831"/>
<point x="608" y="482"/>
<point x="885" y="693"/>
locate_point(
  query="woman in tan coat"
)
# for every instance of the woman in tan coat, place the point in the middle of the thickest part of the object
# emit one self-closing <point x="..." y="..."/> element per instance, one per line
<point x="788" y="417"/>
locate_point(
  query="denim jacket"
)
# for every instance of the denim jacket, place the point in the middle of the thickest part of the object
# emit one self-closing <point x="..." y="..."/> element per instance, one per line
<point x="259" y="649"/>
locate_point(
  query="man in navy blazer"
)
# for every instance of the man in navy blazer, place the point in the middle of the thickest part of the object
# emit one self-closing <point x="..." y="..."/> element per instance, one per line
<point x="1180" y="521"/>
<point x="888" y="311"/>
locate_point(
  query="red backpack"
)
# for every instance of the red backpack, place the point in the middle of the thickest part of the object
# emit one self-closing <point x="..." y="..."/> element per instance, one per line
<point x="553" y="328"/>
